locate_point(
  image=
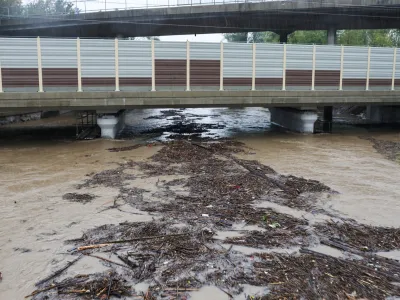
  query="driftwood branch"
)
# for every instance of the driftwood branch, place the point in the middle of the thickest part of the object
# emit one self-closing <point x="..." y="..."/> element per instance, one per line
<point x="58" y="272"/>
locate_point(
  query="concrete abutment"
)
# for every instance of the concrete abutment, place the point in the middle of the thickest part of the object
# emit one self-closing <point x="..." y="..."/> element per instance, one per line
<point x="110" y="123"/>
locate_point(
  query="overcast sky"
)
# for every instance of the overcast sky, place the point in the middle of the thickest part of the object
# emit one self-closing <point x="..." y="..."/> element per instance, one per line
<point x="98" y="5"/>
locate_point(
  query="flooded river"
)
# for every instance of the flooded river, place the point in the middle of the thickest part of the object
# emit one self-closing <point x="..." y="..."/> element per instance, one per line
<point x="35" y="173"/>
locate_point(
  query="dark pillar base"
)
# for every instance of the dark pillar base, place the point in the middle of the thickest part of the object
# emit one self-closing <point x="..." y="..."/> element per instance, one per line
<point x="327" y="119"/>
<point x="283" y="38"/>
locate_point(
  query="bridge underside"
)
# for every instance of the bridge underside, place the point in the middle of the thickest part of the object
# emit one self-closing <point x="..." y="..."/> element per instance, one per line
<point x="279" y="16"/>
<point x="164" y="99"/>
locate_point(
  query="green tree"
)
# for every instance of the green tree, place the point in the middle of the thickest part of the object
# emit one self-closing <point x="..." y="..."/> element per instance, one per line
<point x="240" y="37"/>
<point x="252" y="37"/>
<point x="318" y="37"/>
<point x="49" y="7"/>
<point x="375" y="38"/>
<point x="10" y="7"/>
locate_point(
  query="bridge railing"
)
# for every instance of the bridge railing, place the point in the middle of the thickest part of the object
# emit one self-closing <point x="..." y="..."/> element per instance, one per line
<point x="112" y="5"/>
<point x="45" y="64"/>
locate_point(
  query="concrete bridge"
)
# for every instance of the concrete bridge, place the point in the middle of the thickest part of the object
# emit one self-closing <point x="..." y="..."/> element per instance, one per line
<point x="282" y="17"/>
<point x="108" y="76"/>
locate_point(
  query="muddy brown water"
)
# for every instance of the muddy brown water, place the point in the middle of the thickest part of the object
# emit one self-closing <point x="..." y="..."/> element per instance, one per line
<point x="36" y="172"/>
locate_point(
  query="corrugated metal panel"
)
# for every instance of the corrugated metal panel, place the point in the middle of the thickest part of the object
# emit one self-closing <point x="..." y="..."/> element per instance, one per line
<point x="58" y="53"/>
<point x="206" y="51"/>
<point x="170" y="50"/>
<point x="97" y="58"/>
<point x="299" y="57"/>
<point x="238" y="60"/>
<point x="18" y="53"/>
<point x="355" y="62"/>
<point x="327" y="58"/>
<point x="269" y="61"/>
<point x="397" y="73"/>
<point x="134" y="58"/>
<point x="381" y="66"/>
<point x="205" y="64"/>
<point x="327" y="66"/>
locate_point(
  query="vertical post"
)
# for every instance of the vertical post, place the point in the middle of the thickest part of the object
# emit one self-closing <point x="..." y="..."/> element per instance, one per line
<point x="187" y="66"/>
<point x="313" y="68"/>
<point x="341" y="68"/>
<point x="253" y="79"/>
<point x="221" y="70"/>
<point x="368" y="69"/>
<point x="1" y="80"/>
<point x="78" y="62"/>
<point x="40" y="73"/>
<point x="284" y="68"/>
<point x="394" y="67"/>
<point x="116" y="65"/>
<point x="153" y="68"/>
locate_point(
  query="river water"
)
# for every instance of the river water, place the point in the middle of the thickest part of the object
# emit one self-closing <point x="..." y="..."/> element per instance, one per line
<point x="36" y="171"/>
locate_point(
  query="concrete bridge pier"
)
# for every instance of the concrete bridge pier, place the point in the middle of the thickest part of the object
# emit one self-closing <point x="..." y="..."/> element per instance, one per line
<point x="327" y="117"/>
<point x="383" y="113"/>
<point x="110" y="123"/>
<point x="295" y="119"/>
<point x="332" y="36"/>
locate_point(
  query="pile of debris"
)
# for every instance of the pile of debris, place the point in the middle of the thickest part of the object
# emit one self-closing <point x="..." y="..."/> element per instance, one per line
<point x="210" y="190"/>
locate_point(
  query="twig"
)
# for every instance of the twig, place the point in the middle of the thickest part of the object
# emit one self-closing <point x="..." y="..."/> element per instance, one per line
<point x="45" y="289"/>
<point x="107" y="260"/>
<point x="127" y="261"/>
<point x="109" y="289"/>
<point x="93" y="246"/>
<point x="226" y="293"/>
<point x="130" y="240"/>
<point x="58" y="272"/>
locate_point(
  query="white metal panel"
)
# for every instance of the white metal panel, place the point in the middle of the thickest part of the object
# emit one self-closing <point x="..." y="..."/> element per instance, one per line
<point x="97" y="58"/>
<point x="59" y="53"/>
<point x="381" y="63"/>
<point x="327" y="58"/>
<point x="206" y="51"/>
<point x="18" y="53"/>
<point x="170" y="50"/>
<point x="238" y="60"/>
<point x="134" y="58"/>
<point x="299" y="57"/>
<point x="355" y="62"/>
<point x="397" y="73"/>
<point x="269" y="60"/>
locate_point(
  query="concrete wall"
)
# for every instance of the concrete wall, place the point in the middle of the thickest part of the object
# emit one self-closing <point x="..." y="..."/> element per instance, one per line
<point x="130" y="100"/>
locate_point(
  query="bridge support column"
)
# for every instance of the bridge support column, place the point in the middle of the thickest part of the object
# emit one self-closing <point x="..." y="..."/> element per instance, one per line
<point x="383" y="113"/>
<point x="295" y="119"/>
<point x="111" y="123"/>
<point x="327" y="117"/>
<point x="332" y="36"/>
<point x="283" y="36"/>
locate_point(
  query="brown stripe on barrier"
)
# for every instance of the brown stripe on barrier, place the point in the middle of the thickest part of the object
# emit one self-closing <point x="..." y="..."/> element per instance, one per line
<point x="298" y="77"/>
<point x="98" y="81"/>
<point x="380" y="82"/>
<point x="269" y="81"/>
<point x="237" y="81"/>
<point x="124" y="81"/>
<point x="170" y="72"/>
<point x="204" y="72"/>
<point x="20" y="77"/>
<point x="327" y="78"/>
<point x="354" y="82"/>
<point x="60" y="76"/>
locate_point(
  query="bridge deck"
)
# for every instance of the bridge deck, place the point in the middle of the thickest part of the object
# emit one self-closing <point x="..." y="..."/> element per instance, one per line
<point x="277" y="16"/>
<point x="131" y="100"/>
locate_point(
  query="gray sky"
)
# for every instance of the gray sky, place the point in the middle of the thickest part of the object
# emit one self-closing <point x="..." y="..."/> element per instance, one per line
<point x="98" y="5"/>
